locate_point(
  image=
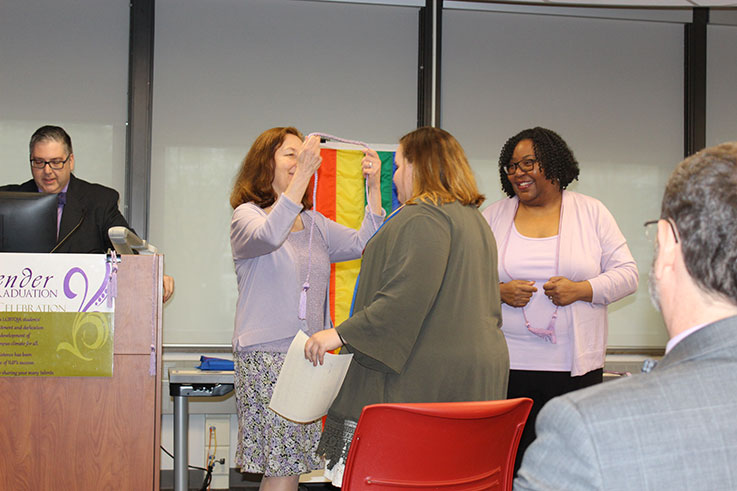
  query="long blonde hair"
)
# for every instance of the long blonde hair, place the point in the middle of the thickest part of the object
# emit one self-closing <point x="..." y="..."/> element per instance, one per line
<point x="441" y="172"/>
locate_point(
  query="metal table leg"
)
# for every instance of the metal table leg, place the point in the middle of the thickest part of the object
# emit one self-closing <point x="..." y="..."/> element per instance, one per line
<point x="181" y="448"/>
<point x="184" y="384"/>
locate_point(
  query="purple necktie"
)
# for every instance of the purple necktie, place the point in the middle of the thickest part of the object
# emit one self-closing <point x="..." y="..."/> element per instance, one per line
<point x="62" y="200"/>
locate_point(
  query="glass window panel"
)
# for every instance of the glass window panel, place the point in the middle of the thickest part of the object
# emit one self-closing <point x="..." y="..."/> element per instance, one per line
<point x="721" y="84"/>
<point x="65" y="63"/>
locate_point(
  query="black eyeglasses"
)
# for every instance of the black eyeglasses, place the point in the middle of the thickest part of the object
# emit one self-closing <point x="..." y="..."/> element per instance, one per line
<point x="54" y="164"/>
<point x="525" y="165"/>
<point x="650" y="232"/>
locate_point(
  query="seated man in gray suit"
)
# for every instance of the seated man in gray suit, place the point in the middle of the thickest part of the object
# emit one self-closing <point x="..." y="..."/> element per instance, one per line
<point x="86" y="210"/>
<point x="674" y="428"/>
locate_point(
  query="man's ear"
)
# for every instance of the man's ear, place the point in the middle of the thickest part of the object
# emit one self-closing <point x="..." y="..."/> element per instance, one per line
<point x="667" y="248"/>
<point x="71" y="163"/>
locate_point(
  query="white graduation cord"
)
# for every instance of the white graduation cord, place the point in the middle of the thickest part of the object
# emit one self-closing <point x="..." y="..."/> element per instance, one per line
<point x="306" y="284"/>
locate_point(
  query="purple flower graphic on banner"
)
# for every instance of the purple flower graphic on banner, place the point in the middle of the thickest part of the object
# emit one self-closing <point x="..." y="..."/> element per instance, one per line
<point x="95" y="297"/>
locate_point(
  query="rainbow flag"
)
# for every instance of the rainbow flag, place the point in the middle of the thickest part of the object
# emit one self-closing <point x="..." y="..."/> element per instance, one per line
<point x="341" y="196"/>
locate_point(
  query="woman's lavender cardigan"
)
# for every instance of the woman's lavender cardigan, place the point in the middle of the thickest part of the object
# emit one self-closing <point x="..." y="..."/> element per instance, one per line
<point x="267" y="270"/>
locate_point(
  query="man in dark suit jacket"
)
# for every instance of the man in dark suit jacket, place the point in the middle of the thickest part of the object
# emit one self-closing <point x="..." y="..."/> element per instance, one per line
<point x="87" y="210"/>
<point x="675" y="426"/>
<point x="90" y="210"/>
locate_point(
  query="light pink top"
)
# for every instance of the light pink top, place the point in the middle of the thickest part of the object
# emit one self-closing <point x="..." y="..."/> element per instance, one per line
<point x="533" y="259"/>
<point x="591" y="248"/>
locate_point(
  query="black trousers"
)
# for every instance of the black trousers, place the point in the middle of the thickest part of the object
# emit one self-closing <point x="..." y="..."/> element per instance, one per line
<point x="542" y="386"/>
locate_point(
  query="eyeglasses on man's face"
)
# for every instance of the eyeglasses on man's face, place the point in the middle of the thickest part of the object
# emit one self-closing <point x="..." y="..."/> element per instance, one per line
<point x="525" y="165"/>
<point x="55" y="164"/>
<point x="651" y="232"/>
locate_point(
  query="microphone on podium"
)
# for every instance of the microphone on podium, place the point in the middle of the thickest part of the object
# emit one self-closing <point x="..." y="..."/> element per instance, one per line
<point x="126" y="242"/>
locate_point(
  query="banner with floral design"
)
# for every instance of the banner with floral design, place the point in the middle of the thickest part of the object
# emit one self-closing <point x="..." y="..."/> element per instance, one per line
<point x="56" y="315"/>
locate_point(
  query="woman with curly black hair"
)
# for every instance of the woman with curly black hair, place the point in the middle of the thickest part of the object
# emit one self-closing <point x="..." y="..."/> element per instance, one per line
<point x="562" y="260"/>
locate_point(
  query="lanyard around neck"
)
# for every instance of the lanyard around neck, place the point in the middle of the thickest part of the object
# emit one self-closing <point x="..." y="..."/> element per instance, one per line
<point x="549" y="333"/>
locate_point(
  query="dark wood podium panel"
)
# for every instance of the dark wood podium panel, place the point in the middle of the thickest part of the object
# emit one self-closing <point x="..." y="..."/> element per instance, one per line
<point x="92" y="433"/>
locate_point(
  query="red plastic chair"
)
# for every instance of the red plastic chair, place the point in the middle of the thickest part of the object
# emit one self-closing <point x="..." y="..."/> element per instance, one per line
<point x="447" y="445"/>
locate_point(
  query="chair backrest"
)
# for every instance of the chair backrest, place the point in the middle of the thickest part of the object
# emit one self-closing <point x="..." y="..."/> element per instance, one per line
<point x="446" y="445"/>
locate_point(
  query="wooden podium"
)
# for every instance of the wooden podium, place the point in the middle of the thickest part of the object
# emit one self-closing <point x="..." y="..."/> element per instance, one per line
<point x="93" y="433"/>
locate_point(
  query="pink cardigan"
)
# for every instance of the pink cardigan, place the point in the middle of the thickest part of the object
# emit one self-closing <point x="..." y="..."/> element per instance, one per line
<point x="591" y="248"/>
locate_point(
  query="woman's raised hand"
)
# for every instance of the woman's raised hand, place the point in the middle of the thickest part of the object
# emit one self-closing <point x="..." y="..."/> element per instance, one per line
<point x="309" y="159"/>
<point x="371" y="165"/>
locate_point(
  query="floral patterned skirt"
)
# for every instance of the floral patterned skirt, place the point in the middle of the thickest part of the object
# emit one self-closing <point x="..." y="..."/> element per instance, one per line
<point x="267" y="443"/>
